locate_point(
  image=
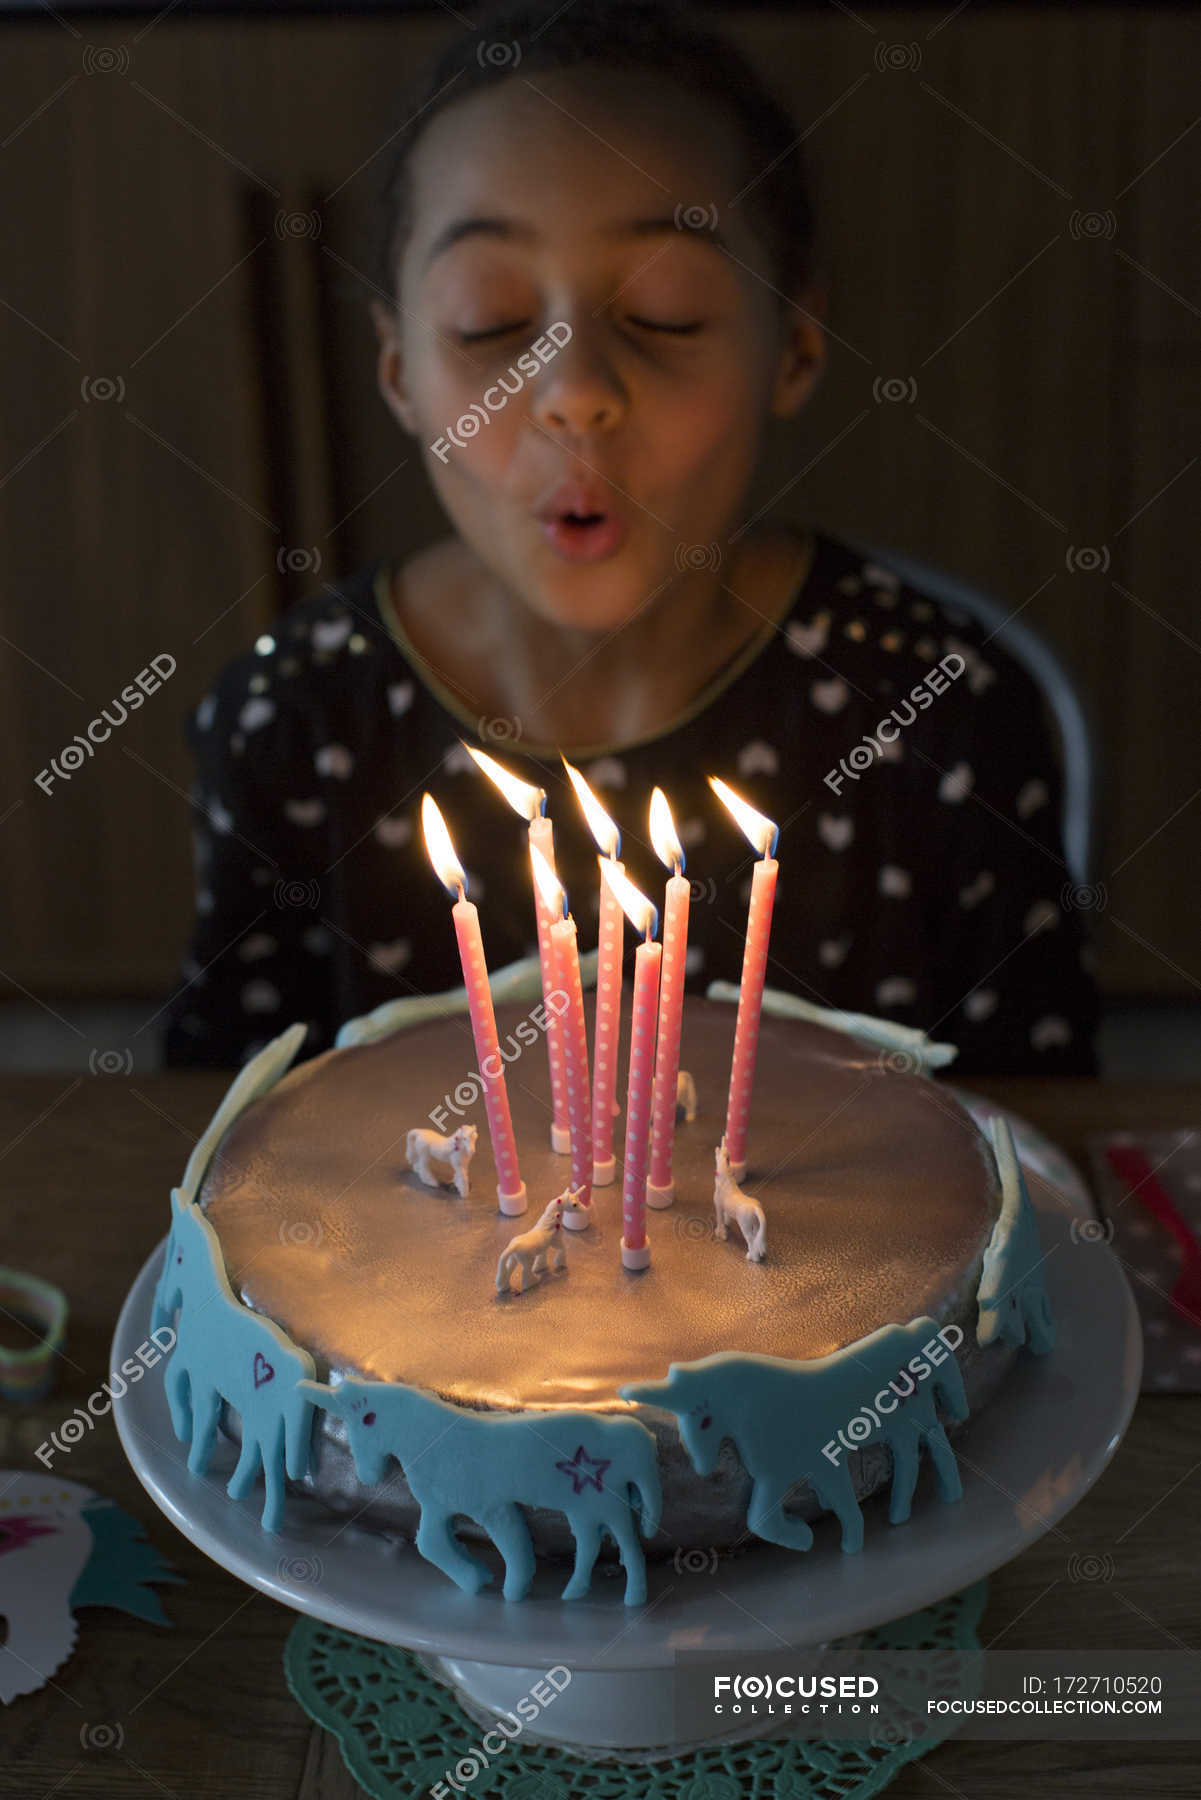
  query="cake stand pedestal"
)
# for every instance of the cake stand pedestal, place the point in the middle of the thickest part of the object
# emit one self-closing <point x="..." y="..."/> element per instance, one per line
<point x="1025" y="1461"/>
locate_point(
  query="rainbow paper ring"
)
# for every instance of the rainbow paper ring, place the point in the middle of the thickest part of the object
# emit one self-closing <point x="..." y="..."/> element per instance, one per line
<point x="28" y="1374"/>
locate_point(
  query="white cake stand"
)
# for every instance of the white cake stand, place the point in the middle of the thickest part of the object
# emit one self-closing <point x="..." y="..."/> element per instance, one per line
<point x="1025" y="1461"/>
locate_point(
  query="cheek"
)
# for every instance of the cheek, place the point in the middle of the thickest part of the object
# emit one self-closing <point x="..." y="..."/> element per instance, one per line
<point x="706" y="424"/>
<point x="445" y="380"/>
<point x="467" y="445"/>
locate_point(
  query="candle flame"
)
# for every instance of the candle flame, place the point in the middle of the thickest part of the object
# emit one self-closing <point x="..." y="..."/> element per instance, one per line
<point x="550" y="888"/>
<point x="641" y="912"/>
<point x="761" y="832"/>
<point x="522" y="797"/>
<point x="440" y="849"/>
<point x="663" y="833"/>
<point x="602" y="827"/>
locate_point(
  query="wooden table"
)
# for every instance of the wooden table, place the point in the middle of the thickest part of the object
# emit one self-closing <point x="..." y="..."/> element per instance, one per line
<point x="86" y="1166"/>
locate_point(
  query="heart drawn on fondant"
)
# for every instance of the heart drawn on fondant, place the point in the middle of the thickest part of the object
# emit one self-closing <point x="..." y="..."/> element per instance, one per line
<point x="263" y="1372"/>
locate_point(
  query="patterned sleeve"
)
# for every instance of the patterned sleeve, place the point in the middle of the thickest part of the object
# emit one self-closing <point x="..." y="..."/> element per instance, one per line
<point x="258" y="958"/>
<point x="1013" y="987"/>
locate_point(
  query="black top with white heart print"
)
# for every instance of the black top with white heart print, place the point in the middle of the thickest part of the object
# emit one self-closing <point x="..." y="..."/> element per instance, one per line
<point x="908" y="759"/>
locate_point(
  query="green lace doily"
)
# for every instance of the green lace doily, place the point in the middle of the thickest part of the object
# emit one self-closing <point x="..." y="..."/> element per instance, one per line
<point x="400" y="1730"/>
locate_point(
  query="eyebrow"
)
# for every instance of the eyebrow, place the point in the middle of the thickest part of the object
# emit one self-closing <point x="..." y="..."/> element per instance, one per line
<point x="513" y="231"/>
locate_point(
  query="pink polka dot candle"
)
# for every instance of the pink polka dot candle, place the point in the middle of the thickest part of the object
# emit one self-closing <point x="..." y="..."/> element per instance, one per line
<point x="608" y="985"/>
<point x="641" y="912"/>
<point x="660" y="1189"/>
<point x="762" y="833"/>
<point x="510" y="1189"/>
<point x="529" y="801"/>
<point x="575" y="1038"/>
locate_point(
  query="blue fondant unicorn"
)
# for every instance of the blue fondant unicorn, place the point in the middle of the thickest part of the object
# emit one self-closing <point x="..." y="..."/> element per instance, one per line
<point x="223" y="1351"/>
<point x="1012" y="1298"/>
<point x="601" y="1472"/>
<point x="794" y="1421"/>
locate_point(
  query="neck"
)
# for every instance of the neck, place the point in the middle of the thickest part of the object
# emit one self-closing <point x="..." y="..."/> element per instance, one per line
<point x="572" y="687"/>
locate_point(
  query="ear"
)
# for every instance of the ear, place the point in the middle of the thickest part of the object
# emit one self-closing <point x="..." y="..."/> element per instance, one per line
<point x="328" y="1397"/>
<point x="390" y="366"/>
<point x="802" y="351"/>
<point x="650" y="1393"/>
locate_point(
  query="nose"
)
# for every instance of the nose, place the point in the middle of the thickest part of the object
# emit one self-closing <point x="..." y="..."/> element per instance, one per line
<point x="578" y="392"/>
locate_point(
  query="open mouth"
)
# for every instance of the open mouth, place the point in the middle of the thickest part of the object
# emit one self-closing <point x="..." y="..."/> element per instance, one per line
<point x="585" y="536"/>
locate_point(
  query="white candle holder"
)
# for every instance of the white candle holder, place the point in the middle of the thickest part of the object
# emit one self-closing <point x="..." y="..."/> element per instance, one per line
<point x="660" y="1197"/>
<point x="560" y="1140"/>
<point x="512" y="1204"/>
<point x="603" y="1173"/>
<point x="635" y="1259"/>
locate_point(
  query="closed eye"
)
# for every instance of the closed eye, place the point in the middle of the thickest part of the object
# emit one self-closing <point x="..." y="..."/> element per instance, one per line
<point x="479" y="337"/>
<point x="685" y="329"/>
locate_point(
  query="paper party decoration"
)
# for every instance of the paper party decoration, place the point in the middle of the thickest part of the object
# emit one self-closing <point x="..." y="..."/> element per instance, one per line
<point x="63" y="1546"/>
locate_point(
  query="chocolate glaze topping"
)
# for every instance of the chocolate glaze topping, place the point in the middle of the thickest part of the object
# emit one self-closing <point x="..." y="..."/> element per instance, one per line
<point x="879" y="1191"/>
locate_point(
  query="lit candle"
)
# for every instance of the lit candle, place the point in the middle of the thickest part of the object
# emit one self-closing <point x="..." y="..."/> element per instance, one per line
<point x="510" y="1189"/>
<point x="575" y="1038"/>
<point x="530" y="802"/>
<point x="635" y="1251"/>
<point x="660" y="1189"/>
<point x="608" y="985"/>
<point x="762" y="833"/>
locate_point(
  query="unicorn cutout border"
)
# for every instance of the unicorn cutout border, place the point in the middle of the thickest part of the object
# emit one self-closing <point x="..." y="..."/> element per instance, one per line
<point x="784" y="1420"/>
<point x="601" y="1472"/>
<point x="225" y="1352"/>
<point x="1012" y="1298"/>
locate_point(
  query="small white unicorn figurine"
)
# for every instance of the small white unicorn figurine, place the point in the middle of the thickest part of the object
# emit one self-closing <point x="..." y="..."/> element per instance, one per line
<point x="729" y="1202"/>
<point x="540" y="1249"/>
<point x="686" y="1095"/>
<point x="422" y="1147"/>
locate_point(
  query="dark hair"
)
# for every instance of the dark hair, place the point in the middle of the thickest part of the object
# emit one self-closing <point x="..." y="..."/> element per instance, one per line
<point x="660" y="37"/>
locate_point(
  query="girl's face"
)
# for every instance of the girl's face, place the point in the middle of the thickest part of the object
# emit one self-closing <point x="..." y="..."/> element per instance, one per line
<point x="547" y="217"/>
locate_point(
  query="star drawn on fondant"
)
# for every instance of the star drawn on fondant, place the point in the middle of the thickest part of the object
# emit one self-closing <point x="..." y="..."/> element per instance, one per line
<point x="584" y="1471"/>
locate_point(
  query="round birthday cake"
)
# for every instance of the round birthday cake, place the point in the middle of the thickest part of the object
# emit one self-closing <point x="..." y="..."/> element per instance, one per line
<point x="715" y="1398"/>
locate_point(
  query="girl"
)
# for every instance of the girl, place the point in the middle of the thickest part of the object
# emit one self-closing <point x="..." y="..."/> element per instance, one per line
<point x="597" y="283"/>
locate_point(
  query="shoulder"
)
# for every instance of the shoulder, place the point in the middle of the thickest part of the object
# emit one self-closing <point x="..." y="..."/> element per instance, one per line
<point x="276" y="682"/>
<point x="886" y="631"/>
